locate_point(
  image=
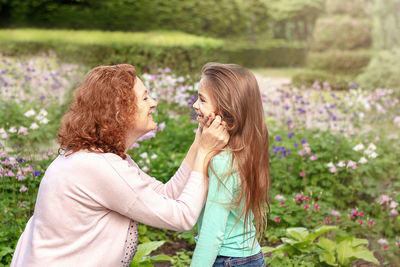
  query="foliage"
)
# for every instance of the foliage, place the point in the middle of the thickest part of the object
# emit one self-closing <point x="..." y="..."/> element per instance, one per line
<point x="309" y="77"/>
<point x="386" y="24"/>
<point x="143" y="258"/>
<point x="146" y="51"/>
<point x="224" y="18"/>
<point x="383" y="71"/>
<point x="300" y="242"/>
<point x="339" y="61"/>
<point x="354" y="8"/>
<point x="341" y="33"/>
<point x="294" y="19"/>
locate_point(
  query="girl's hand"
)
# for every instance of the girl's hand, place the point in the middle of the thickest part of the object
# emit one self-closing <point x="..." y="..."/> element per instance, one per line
<point x="214" y="135"/>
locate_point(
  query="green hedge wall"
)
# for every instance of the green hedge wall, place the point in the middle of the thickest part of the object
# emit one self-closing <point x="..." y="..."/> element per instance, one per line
<point x="383" y="71"/>
<point x="339" y="61"/>
<point x="181" y="55"/>
<point x="343" y="33"/>
<point x="207" y="17"/>
<point x="355" y="8"/>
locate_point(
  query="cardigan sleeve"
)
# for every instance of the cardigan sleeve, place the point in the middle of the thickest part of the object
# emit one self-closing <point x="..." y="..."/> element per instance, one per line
<point x="173" y="188"/>
<point x="215" y="216"/>
<point x="133" y="195"/>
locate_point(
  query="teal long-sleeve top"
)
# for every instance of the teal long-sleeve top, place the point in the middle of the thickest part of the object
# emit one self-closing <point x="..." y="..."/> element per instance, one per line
<point x="219" y="231"/>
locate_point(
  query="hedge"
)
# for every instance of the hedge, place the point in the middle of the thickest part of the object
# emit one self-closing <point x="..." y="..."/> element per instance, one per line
<point x="343" y="33"/>
<point x="184" y="57"/>
<point x="308" y="77"/>
<point x="355" y="8"/>
<point x="383" y="71"/>
<point x="339" y="61"/>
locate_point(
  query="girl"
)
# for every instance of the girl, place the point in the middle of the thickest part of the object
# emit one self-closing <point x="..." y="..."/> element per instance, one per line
<point x="238" y="174"/>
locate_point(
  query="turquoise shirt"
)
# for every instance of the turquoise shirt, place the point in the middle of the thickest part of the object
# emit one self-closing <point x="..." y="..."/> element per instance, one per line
<point x="218" y="234"/>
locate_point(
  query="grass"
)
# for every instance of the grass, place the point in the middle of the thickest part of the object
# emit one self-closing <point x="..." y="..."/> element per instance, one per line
<point x="276" y="72"/>
<point x="160" y="38"/>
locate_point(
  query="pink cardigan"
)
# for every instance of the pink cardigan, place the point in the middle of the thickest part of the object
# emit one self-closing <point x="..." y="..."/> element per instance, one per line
<point x="86" y="202"/>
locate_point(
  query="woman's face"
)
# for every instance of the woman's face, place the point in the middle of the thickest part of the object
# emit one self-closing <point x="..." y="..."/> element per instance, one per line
<point x="143" y="121"/>
<point x="204" y="104"/>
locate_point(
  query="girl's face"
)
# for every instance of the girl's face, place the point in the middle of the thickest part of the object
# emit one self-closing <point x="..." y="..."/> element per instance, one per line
<point x="204" y="104"/>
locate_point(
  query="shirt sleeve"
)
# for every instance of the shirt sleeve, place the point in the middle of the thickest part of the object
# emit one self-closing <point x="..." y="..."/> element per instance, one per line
<point x="215" y="217"/>
<point x="113" y="184"/>
<point x="173" y="188"/>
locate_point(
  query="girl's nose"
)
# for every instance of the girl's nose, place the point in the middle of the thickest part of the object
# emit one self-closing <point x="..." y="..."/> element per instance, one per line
<point x="196" y="105"/>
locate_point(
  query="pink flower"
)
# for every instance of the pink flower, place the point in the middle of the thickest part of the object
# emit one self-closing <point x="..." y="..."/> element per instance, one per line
<point x="382" y="241"/>
<point x="362" y="214"/>
<point x="337" y="219"/>
<point x="302" y="174"/>
<point x="280" y="197"/>
<point x="393" y="204"/>
<point x="306" y="206"/>
<point x="333" y="169"/>
<point x="23" y="130"/>
<point x="351" y="164"/>
<point x="393" y="212"/>
<point x="383" y="199"/>
<point x="335" y="213"/>
<point x="371" y="223"/>
<point x="282" y="204"/>
<point x="360" y="222"/>
<point x="327" y="220"/>
<point x="299" y="197"/>
<point x="316" y="207"/>
<point x="23" y="189"/>
<point x="277" y="219"/>
<point x="307" y="198"/>
<point x="384" y="247"/>
<point x="10" y="173"/>
<point x="353" y="214"/>
<point x="314" y="157"/>
<point x="301" y="153"/>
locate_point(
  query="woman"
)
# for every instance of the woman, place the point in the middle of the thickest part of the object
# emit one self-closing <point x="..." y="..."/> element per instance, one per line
<point x="238" y="174"/>
<point x="93" y="194"/>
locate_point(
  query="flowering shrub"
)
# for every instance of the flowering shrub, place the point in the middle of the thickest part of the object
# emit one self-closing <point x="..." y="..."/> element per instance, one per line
<point x="331" y="165"/>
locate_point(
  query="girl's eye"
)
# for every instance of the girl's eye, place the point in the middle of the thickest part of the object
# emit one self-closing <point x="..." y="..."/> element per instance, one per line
<point x="145" y="98"/>
<point x="202" y="100"/>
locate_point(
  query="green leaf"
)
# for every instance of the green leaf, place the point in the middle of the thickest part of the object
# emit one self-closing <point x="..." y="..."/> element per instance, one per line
<point x="5" y="251"/>
<point x="326" y="244"/>
<point x="328" y="258"/>
<point x="145" y="249"/>
<point x="344" y="252"/>
<point x="298" y="233"/>
<point x="358" y="241"/>
<point x="364" y="254"/>
<point x="160" y="258"/>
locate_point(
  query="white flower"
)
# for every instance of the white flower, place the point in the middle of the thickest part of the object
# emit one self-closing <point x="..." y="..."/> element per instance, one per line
<point x="42" y="116"/>
<point x="154" y="156"/>
<point x="34" y="126"/>
<point x="2" y="131"/>
<point x="330" y="165"/>
<point x="371" y="147"/>
<point x="44" y="121"/>
<point x="280" y="197"/>
<point x="351" y="164"/>
<point x="143" y="155"/>
<point x="363" y="160"/>
<point x="30" y="113"/>
<point x="145" y="169"/>
<point x="358" y="147"/>
<point x="373" y="155"/>
<point x="341" y="163"/>
<point x="12" y="129"/>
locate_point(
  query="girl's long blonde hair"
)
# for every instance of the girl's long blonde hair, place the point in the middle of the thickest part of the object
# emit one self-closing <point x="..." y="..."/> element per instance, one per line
<point x="237" y="97"/>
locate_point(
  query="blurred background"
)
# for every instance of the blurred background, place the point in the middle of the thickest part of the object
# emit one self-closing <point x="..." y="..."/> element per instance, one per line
<point x="329" y="76"/>
<point x="338" y="41"/>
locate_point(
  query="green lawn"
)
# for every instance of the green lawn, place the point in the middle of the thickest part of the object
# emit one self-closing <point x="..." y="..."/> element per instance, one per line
<point x="160" y="38"/>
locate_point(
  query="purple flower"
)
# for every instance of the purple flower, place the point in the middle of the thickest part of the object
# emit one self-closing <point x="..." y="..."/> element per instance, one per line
<point x="303" y="141"/>
<point x="288" y="122"/>
<point x="36" y="173"/>
<point x="286" y="107"/>
<point x="278" y="138"/>
<point x="296" y="144"/>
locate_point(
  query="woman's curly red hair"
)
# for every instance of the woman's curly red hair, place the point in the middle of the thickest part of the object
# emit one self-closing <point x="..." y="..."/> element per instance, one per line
<point x="101" y="112"/>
